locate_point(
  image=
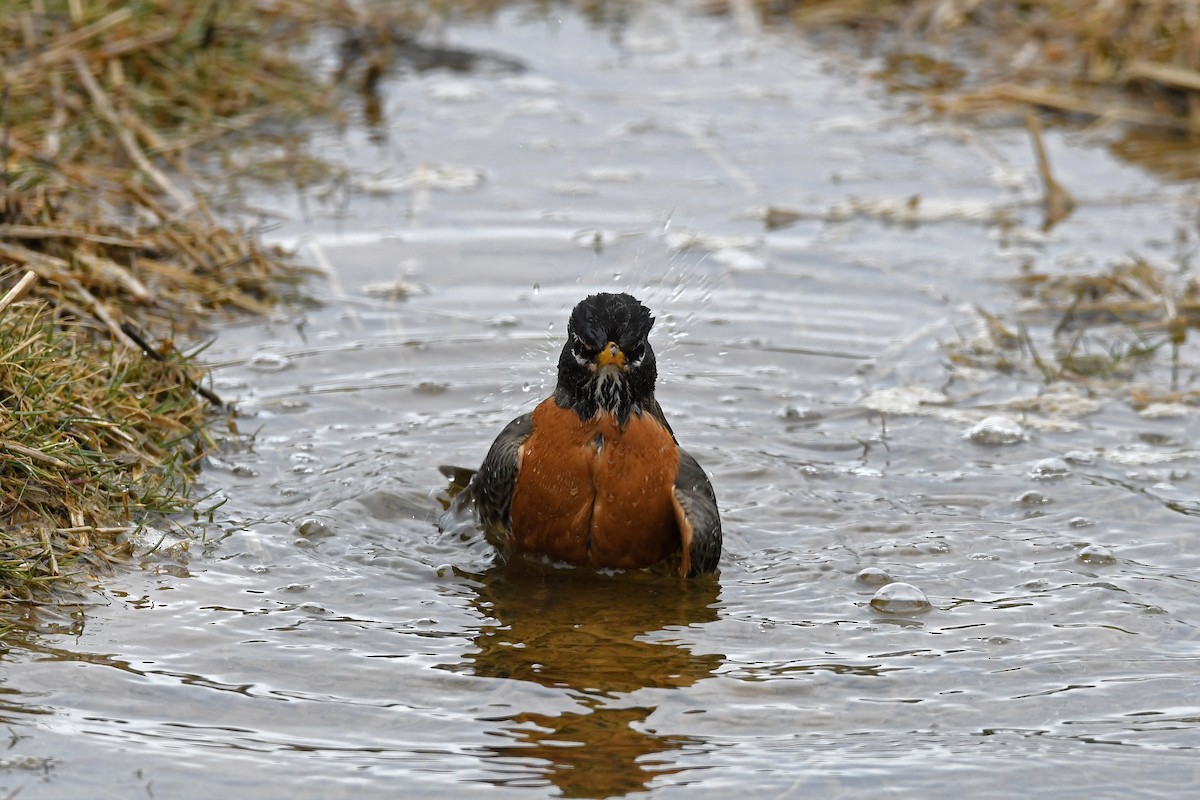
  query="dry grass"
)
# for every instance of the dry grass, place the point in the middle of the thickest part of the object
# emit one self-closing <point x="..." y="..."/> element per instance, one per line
<point x="1133" y="61"/>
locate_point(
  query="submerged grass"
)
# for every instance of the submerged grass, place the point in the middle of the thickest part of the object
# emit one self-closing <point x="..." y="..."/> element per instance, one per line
<point x="1105" y="328"/>
<point x="115" y="118"/>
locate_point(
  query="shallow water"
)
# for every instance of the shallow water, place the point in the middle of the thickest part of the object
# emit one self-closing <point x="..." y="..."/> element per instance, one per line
<point x="325" y="637"/>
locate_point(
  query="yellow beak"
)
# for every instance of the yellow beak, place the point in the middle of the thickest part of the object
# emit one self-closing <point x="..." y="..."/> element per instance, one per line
<point x="610" y="355"/>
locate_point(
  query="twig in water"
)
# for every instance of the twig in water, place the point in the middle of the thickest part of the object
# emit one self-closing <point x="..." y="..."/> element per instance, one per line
<point x="129" y="330"/>
<point x="1056" y="201"/>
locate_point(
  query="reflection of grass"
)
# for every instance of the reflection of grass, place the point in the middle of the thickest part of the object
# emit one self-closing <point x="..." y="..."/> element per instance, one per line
<point x="1111" y="326"/>
<point x="113" y="116"/>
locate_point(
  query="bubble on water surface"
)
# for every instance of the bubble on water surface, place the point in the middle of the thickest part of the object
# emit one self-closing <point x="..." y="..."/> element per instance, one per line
<point x="996" y="430"/>
<point x="900" y="598"/>
<point x="1080" y="522"/>
<point x="1096" y="555"/>
<point x="873" y="576"/>
<point x="270" y="362"/>
<point x="1050" y="469"/>
<point x="313" y="528"/>
<point x="1032" y="498"/>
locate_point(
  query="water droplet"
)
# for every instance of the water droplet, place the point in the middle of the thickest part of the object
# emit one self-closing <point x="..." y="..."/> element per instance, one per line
<point x="873" y="576"/>
<point x="1080" y="522"/>
<point x="537" y="288"/>
<point x="900" y="598"/>
<point x="1096" y="555"/>
<point x="525" y="387"/>
<point x="996" y="430"/>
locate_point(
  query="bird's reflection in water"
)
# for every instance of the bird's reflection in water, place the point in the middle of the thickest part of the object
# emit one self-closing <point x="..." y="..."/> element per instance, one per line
<point x="588" y="634"/>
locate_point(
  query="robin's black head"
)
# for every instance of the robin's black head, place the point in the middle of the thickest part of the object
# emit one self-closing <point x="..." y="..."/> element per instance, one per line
<point x="607" y="363"/>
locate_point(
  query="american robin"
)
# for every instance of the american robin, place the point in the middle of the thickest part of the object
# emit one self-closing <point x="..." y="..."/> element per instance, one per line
<point x="593" y="475"/>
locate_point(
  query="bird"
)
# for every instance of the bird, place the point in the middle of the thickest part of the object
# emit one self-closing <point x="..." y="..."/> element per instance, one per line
<point x="594" y="476"/>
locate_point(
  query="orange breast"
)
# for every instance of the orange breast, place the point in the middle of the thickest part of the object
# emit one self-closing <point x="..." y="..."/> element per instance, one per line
<point x="595" y="492"/>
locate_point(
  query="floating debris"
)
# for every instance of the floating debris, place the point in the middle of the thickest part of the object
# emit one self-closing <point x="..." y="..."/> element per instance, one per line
<point x="1167" y="410"/>
<point x="442" y="177"/>
<point x="903" y="400"/>
<point x="392" y="290"/>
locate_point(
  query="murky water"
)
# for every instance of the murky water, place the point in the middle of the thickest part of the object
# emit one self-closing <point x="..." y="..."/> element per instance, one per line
<point x="326" y="638"/>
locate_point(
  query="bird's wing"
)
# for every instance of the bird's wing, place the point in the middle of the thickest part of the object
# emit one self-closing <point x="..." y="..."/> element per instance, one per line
<point x="698" y="518"/>
<point x="492" y="486"/>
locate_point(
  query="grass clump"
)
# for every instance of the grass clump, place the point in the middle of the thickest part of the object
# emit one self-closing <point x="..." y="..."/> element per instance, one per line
<point x="115" y="122"/>
<point x="88" y="441"/>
